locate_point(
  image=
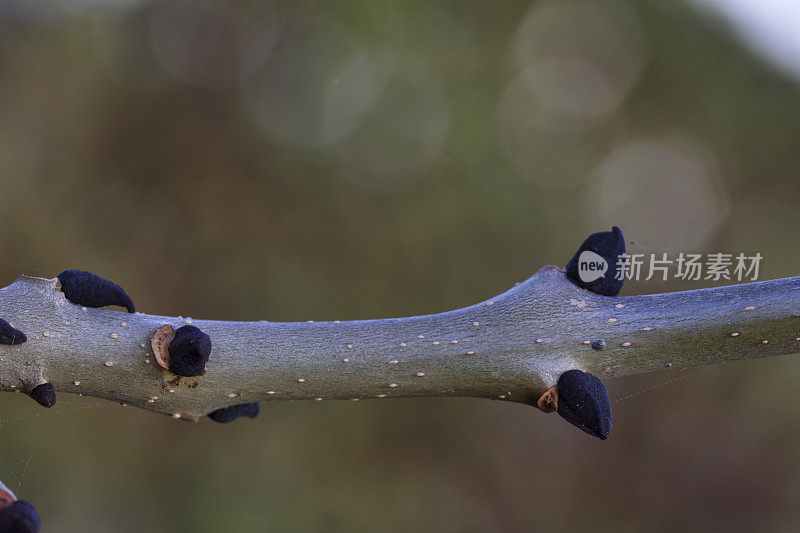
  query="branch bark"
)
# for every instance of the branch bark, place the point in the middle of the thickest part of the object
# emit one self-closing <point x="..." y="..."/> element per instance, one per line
<point x="512" y="347"/>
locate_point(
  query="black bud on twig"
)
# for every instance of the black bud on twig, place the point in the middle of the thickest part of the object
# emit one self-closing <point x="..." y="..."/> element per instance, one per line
<point x="10" y="335"/>
<point x="229" y="414"/>
<point x="583" y="401"/>
<point x="44" y="394"/>
<point x="19" y="517"/>
<point x="189" y="351"/>
<point x="90" y="290"/>
<point x="594" y="265"/>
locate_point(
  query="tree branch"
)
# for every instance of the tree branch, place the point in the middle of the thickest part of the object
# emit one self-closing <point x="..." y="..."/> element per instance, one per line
<point x="513" y="347"/>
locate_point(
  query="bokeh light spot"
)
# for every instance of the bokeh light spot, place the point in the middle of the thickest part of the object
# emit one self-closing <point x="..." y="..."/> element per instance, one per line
<point x="668" y="194"/>
<point x="316" y="86"/>
<point x="581" y="58"/>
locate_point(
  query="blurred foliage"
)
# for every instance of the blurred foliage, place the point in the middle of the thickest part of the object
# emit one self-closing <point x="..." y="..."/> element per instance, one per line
<point x="305" y="160"/>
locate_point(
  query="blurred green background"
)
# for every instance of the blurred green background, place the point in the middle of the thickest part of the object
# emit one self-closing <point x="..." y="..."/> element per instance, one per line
<point x="307" y="160"/>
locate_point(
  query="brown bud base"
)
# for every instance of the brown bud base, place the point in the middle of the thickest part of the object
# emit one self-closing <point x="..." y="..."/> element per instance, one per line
<point x="160" y="345"/>
<point x="548" y="401"/>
